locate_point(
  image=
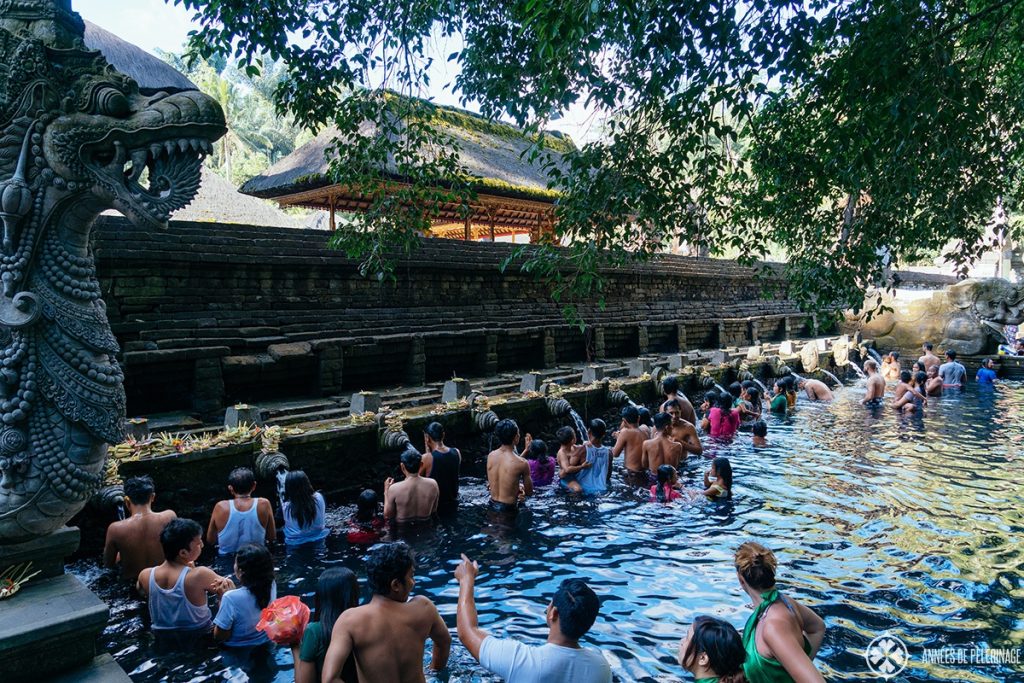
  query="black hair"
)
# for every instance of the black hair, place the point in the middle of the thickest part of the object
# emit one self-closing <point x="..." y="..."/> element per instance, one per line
<point x="711" y="397"/>
<point x="674" y="403"/>
<point x="661" y="421"/>
<point x="643" y="416"/>
<point x="724" y="469"/>
<point x="337" y="590"/>
<point x="366" y="506"/>
<point x="895" y="355"/>
<point x="597" y="428"/>
<point x="951" y="354"/>
<point x="735" y="389"/>
<point x="435" y="430"/>
<point x="759" y="428"/>
<point x="411" y="460"/>
<point x="905" y="375"/>
<point x="538" y="451"/>
<point x="298" y="493"/>
<point x="929" y="346"/>
<point x="256" y="572"/>
<point x="506" y="431"/>
<point x="565" y="435"/>
<point x="920" y="378"/>
<point x="754" y="396"/>
<point x="241" y="480"/>
<point x="665" y="473"/>
<point x="577" y="606"/>
<point x="177" y="536"/>
<point x="725" y="401"/>
<point x="631" y="415"/>
<point x="670" y="385"/>
<point x="139" y="490"/>
<point x="387" y="562"/>
<point x="722" y="644"/>
<point x="917" y="366"/>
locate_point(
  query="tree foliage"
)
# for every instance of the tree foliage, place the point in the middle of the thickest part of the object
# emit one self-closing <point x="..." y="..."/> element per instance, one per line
<point x="854" y="134"/>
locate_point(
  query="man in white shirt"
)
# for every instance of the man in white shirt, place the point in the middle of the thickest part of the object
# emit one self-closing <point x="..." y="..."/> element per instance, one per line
<point x="570" y="615"/>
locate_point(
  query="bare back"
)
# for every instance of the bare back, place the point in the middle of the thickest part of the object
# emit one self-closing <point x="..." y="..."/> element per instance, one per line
<point x="686" y="410"/>
<point x="875" y="387"/>
<point x="137" y="541"/>
<point x="412" y="500"/>
<point x="505" y="472"/>
<point x="630" y="442"/>
<point x="662" y="451"/>
<point x="685" y="434"/>
<point x="817" y="390"/>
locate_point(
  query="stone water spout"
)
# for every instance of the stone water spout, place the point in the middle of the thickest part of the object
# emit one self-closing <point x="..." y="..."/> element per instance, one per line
<point x="485" y="420"/>
<point x="558" y="407"/>
<point x="618" y="397"/>
<point x="391" y="439"/>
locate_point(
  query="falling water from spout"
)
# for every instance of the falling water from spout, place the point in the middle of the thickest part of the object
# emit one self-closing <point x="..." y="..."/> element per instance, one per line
<point x="839" y="384"/>
<point x="856" y="368"/>
<point x="578" y="422"/>
<point x="764" y="389"/>
<point x="874" y="354"/>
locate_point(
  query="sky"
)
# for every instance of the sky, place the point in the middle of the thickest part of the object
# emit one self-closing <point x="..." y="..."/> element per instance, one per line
<point x="156" y="24"/>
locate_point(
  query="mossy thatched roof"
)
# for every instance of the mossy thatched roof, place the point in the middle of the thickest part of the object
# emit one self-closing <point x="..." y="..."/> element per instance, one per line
<point x="152" y="74"/>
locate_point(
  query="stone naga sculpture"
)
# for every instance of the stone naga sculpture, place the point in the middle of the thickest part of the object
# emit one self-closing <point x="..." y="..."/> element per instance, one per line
<point x="76" y="138"/>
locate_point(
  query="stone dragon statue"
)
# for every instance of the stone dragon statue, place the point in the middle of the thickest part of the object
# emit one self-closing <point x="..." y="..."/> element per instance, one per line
<point x="76" y="138"/>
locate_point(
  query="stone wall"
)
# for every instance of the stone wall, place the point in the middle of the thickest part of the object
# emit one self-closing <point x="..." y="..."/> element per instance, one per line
<point x="211" y="314"/>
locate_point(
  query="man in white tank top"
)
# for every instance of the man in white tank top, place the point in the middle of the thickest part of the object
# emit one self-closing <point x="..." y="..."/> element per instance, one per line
<point x="177" y="590"/>
<point x="243" y="519"/>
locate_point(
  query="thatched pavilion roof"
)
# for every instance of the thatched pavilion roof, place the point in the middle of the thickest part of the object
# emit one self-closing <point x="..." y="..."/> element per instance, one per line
<point x="512" y="192"/>
<point x="152" y="74"/>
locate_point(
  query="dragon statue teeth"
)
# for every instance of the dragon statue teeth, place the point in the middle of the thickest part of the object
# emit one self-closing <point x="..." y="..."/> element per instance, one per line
<point x="76" y="138"/>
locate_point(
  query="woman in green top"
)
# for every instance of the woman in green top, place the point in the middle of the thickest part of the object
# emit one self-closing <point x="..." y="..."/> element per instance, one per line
<point x="779" y="404"/>
<point x="782" y="636"/>
<point x="336" y="591"/>
<point x="712" y="651"/>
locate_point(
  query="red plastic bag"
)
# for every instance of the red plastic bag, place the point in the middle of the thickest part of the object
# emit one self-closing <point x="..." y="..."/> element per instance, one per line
<point x="284" y="620"/>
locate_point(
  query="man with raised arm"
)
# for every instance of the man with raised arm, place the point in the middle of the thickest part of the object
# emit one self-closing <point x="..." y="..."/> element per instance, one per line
<point x="135" y="541"/>
<point x="570" y="614"/>
<point x="508" y="474"/>
<point x="388" y="634"/>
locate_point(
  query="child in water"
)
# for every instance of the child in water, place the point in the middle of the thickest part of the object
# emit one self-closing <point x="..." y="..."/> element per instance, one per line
<point x="760" y="433"/>
<point x="364" y="527"/>
<point x="572" y="458"/>
<point x="718" y="479"/>
<point x="665" y="491"/>
<point x="542" y="466"/>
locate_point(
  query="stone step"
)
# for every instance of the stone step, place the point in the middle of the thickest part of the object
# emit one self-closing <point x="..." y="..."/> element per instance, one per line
<point x="50" y="626"/>
<point x="102" y="669"/>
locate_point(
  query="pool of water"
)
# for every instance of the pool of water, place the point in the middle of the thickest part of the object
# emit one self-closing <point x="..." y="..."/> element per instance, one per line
<point x="881" y="522"/>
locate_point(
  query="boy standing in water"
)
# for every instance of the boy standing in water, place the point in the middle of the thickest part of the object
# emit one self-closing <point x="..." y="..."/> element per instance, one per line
<point x="243" y="519"/>
<point x="135" y="541"/>
<point x="662" y="449"/>
<point x="630" y="440"/>
<point x="572" y="459"/>
<point x="388" y="634"/>
<point x="508" y="474"/>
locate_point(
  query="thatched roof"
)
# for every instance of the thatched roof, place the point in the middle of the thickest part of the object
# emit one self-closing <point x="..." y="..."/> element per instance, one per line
<point x="152" y="74"/>
<point x="219" y="202"/>
<point x="491" y="151"/>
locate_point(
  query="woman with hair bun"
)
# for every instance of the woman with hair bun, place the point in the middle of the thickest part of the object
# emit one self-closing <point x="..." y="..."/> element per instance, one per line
<point x="712" y="651"/>
<point x="782" y="636"/>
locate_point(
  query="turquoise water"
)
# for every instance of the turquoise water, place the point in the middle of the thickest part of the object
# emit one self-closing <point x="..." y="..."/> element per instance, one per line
<point x="882" y="523"/>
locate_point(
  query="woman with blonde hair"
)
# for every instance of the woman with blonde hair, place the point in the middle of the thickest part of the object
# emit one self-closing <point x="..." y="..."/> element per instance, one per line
<point x="782" y="636"/>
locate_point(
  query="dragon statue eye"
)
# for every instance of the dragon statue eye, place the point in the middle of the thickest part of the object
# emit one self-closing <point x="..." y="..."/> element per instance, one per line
<point x="110" y="101"/>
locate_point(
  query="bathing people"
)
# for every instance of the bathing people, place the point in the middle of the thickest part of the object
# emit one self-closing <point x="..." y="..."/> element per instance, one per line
<point x="789" y="384"/>
<point x="670" y="387"/>
<point x="718" y="479"/>
<point x="917" y="367"/>
<point x="928" y="359"/>
<point x="597" y="477"/>
<point x="666" y="488"/>
<point x="542" y="465"/>
<point x="366" y="525"/>
<point x="891" y="367"/>
<point x="135" y="541"/>
<point x="953" y="373"/>
<point x="337" y="590"/>
<point x="414" y="499"/>
<point x="987" y="372"/>
<point x="508" y="474"/>
<point x="570" y="614"/>
<point x="388" y="634"/>
<point x="779" y="403"/>
<point x="243" y="519"/>
<point x="874" y="396"/>
<point x="239" y="611"/>
<point x="662" y="449"/>
<point x="933" y="382"/>
<point x="646" y="421"/>
<point x="176" y="589"/>
<point x="712" y="651"/>
<point x="303" y="511"/>
<point x="736" y="391"/>
<point x="572" y="458"/>
<point x="782" y="636"/>
<point x="683" y="432"/>
<point x="759" y="432"/>
<point x="630" y="440"/>
<point x="750" y="409"/>
<point x="815" y="389"/>
<point x="444" y="466"/>
<point x="723" y="420"/>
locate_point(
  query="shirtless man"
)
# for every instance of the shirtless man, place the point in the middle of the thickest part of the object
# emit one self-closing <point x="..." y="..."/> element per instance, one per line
<point x="136" y="541"/>
<point x="815" y="389"/>
<point x="388" y="634"/>
<point x="508" y="474"/>
<point x="662" y="449"/>
<point x="415" y="498"/>
<point x="891" y="367"/>
<point x="630" y="440"/>
<point x="933" y="385"/>
<point x="929" y="359"/>
<point x="670" y="387"/>
<point x="685" y="433"/>
<point x="875" y="395"/>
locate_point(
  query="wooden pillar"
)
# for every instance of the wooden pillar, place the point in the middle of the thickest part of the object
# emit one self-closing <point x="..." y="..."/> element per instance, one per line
<point x="334" y="225"/>
<point x="469" y="228"/>
<point x="490" y="218"/>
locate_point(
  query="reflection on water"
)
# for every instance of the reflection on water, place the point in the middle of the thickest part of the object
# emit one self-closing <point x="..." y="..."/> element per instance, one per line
<point x="882" y="522"/>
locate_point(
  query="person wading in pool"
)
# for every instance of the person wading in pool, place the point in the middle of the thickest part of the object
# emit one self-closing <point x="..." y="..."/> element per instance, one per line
<point x="929" y="359"/>
<point x="875" y="395"/>
<point x="662" y="449"/>
<point x="412" y="500"/>
<point x="388" y="634"/>
<point x="630" y="441"/>
<point x="135" y="541"/>
<point x="815" y="389"/>
<point x="952" y="372"/>
<point x="508" y="474"/>
<point x="570" y="614"/>
<point x="782" y="636"/>
<point x="684" y="432"/>
<point x="670" y="387"/>
<point x="596" y="478"/>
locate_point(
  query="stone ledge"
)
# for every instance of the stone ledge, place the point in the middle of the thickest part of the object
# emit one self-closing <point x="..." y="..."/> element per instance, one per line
<point x="102" y="669"/>
<point x="46" y="553"/>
